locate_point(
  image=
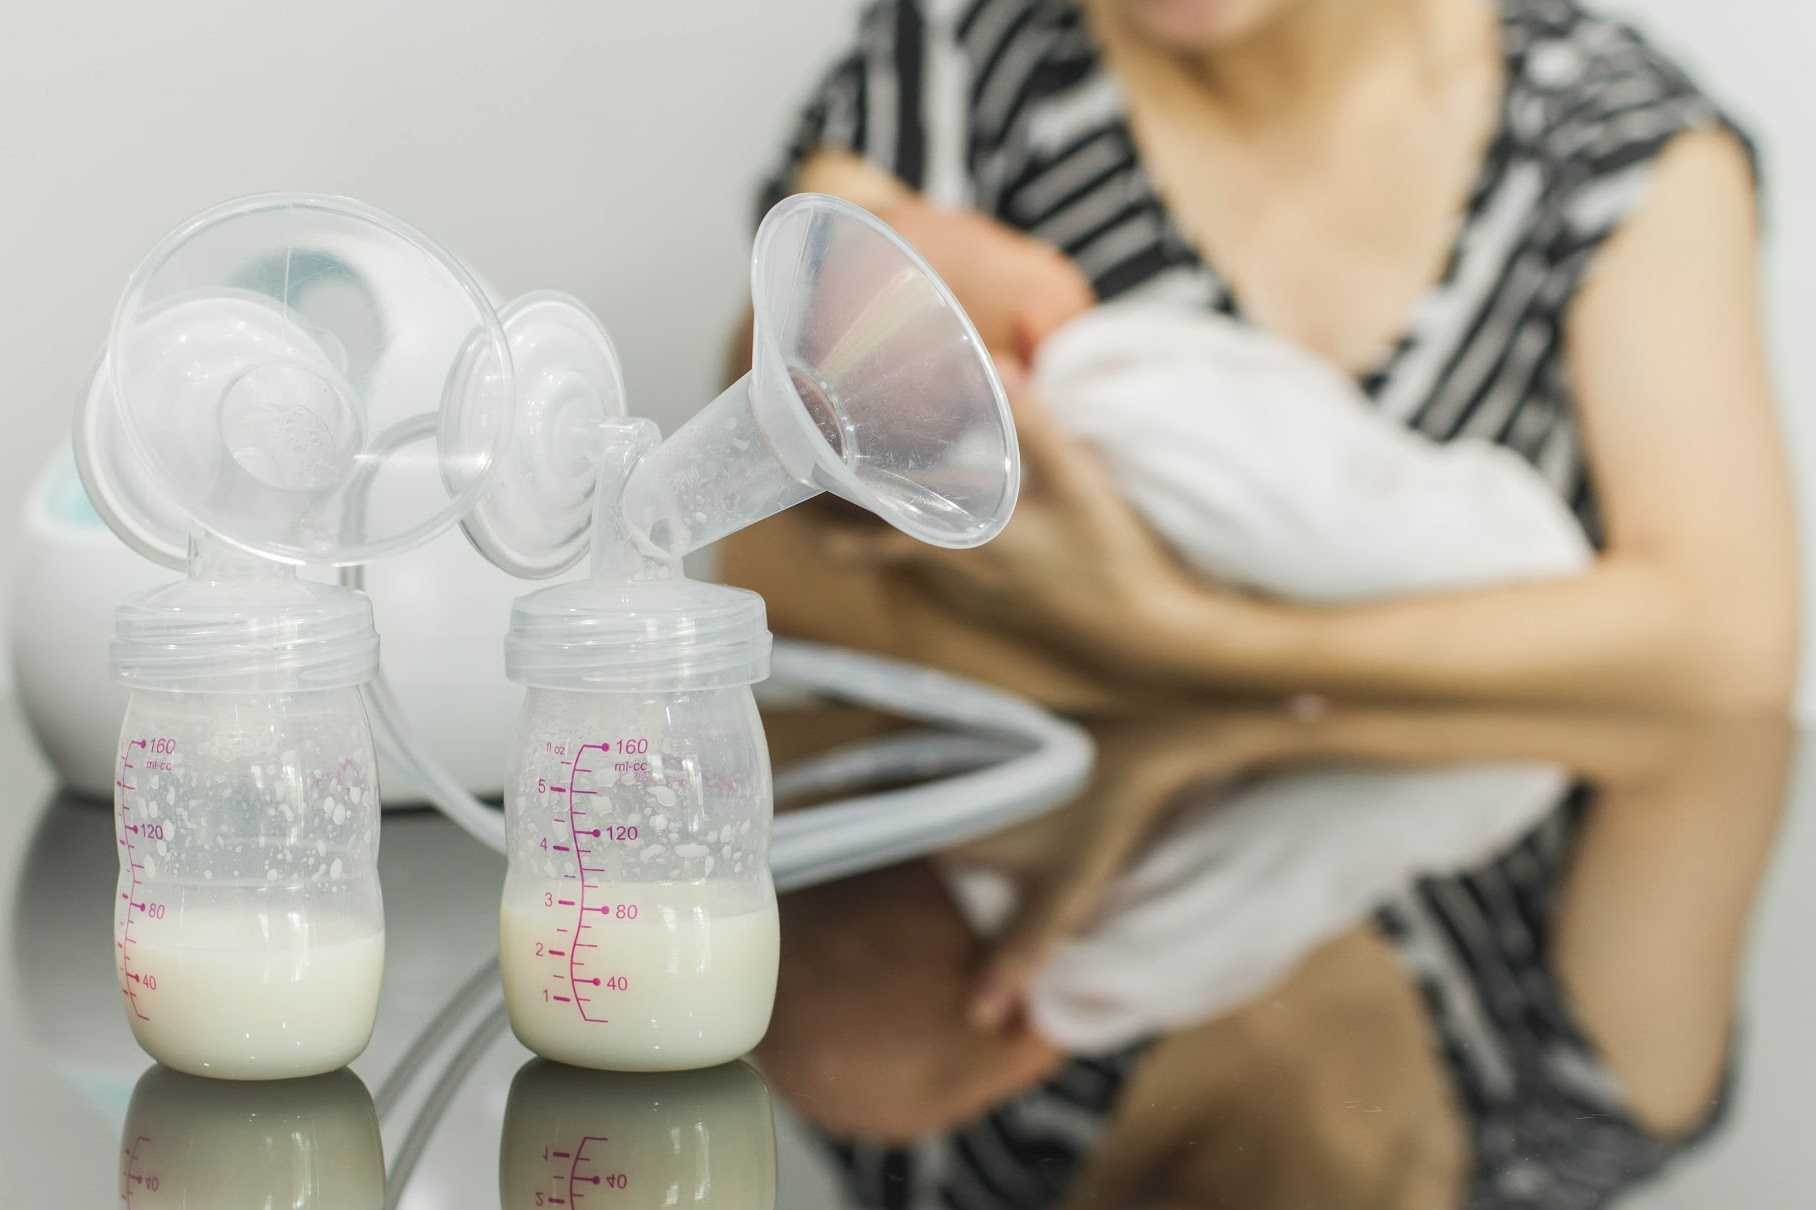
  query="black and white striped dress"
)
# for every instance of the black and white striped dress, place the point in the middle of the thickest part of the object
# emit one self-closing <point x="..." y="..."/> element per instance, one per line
<point x="1006" y="106"/>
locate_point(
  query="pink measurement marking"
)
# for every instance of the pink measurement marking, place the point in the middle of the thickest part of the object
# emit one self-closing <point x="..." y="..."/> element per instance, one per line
<point x="561" y="848"/>
<point x="133" y="980"/>
<point x="589" y="887"/>
<point x="134" y="1178"/>
<point x="577" y="1181"/>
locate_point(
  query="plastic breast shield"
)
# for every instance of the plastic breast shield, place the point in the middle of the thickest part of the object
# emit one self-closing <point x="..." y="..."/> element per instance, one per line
<point x="638" y="926"/>
<point x="276" y="390"/>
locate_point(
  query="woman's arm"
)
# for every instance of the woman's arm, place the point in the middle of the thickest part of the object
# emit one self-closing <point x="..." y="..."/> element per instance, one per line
<point x="1653" y="915"/>
<point x="1693" y="604"/>
<point x="1695" y="600"/>
<point x="1068" y="860"/>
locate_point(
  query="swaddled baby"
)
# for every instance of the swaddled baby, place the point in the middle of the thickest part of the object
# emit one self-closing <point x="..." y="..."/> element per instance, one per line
<point x="1263" y="466"/>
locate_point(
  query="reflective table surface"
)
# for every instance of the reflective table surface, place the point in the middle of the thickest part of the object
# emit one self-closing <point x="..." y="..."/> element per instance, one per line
<point x="1371" y="959"/>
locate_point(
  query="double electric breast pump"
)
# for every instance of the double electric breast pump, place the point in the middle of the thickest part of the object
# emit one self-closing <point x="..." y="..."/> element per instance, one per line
<point x="296" y="380"/>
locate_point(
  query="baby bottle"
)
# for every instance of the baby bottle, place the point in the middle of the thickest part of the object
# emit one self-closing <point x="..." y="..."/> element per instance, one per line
<point x="248" y="932"/>
<point x="276" y="393"/>
<point x="698" y="1140"/>
<point x="193" y="1144"/>
<point x="638" y="927"/>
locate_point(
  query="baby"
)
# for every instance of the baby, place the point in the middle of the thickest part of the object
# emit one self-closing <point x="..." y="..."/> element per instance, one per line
<point x="1262" y="466"/>
<point x="1017" y="289"/>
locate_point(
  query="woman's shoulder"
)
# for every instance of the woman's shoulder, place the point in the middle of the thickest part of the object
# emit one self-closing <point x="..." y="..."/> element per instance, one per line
<point x="1592" y="93"/>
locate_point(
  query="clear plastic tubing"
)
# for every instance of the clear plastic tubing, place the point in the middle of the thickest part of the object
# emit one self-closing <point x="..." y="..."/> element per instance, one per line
<point x="1041" y="760"/>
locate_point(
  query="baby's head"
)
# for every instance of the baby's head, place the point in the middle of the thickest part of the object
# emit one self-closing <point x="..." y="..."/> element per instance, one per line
<point x="1017" y="289"/>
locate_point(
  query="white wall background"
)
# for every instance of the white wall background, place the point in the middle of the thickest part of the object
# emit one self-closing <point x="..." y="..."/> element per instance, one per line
<point x="603" y="147"/>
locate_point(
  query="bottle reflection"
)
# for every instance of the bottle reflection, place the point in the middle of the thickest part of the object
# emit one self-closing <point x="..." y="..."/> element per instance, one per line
<point x="203" y="1144"/>
<point x="588" y="1139"/>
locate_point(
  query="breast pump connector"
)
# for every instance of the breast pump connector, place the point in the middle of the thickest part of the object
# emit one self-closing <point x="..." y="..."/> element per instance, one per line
<point x="638" y="926"/>
<point x="271" y="397"/>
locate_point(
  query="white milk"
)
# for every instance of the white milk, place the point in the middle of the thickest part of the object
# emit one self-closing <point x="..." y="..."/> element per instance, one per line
<point x="193" y="1144"/>
<point x="224" y="1005"/>
<point x="704" y="1140"/>
<point x="689" y="982"/>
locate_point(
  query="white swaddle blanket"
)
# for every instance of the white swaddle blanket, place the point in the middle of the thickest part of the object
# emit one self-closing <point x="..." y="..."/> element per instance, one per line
<point x="1249" y="881"/>
<point x="1267" y="469"/>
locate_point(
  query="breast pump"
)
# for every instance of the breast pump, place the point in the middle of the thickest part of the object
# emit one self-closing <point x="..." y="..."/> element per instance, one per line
<point x="638" y="928"/>
<point x="294" y="380"/>
<point x="265" y="401"/>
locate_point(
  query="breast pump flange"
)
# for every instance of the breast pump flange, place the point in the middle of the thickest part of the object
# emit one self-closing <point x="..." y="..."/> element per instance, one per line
<point x="638" y="925"/>
<point x="270" y="397"/>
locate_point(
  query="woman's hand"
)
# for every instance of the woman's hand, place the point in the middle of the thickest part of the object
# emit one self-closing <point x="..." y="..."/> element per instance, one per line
<point x="1075" y="565"/>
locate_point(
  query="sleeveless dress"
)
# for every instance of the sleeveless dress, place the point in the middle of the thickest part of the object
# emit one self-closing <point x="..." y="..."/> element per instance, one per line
<point x="1005" y="106"/>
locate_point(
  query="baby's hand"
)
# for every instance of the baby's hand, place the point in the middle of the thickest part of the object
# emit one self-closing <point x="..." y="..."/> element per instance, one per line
<point x="1016" y="288"/>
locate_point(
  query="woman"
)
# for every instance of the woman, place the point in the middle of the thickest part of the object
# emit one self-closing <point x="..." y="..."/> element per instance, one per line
<point x="1314" y="167"/>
